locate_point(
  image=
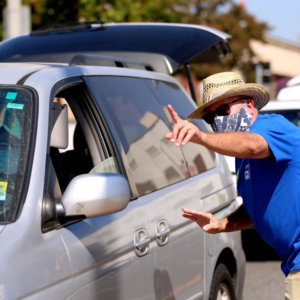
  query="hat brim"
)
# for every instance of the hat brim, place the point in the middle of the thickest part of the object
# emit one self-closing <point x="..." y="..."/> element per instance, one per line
<point x="257" y="92"/>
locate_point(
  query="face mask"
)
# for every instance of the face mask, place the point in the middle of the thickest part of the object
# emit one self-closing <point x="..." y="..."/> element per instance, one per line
<point x="240" y="121"/>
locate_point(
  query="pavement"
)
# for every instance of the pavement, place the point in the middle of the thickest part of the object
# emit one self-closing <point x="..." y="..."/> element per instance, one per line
<point x="264" y="279"/>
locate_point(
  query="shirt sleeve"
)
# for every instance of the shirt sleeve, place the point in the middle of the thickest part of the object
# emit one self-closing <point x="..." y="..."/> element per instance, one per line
<point x="278" y="132"/>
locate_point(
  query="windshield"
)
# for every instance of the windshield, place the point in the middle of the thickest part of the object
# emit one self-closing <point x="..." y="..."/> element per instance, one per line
<point x="16" y="116"/>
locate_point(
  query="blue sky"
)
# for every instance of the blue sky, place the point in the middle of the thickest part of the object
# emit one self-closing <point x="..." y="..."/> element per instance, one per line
<point x="282" y="15"/>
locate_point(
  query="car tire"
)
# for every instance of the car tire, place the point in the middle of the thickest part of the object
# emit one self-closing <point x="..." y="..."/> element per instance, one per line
<point x="222" y="287"/>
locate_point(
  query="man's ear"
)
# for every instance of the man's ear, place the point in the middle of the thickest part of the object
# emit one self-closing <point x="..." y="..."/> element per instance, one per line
<point x="252" y="109"/>
<point x="250" y="103"/>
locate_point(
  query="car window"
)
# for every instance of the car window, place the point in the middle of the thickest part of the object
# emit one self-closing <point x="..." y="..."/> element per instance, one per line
<point x="16" y="132"/>
<point x="292" y="115"/>
<point x="78" y="150"/>
<point x="199" y="158"/>
<point x="141" y="127"/>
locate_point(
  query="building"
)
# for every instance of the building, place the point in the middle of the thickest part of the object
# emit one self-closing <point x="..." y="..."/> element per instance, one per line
<point x="277" y="61"/>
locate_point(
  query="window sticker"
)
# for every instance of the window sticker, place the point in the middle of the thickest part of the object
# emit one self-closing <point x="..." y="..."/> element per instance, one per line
<point x="11" y="95"/>
<point x="15" y="105"/>
<point x="3" y="188"/>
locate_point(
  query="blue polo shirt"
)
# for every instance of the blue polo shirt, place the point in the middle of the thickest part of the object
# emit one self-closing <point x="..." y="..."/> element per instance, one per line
<point x="271" y="188"/>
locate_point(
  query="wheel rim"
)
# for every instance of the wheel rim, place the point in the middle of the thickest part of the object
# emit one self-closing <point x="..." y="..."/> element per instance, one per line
<point x="223" y="292"/>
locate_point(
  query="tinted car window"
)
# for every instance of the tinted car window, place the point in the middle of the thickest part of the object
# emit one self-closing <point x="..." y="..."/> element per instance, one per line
<point x="141" y="126"/>
<point x="16" y="114"/>
<point x="199" y="158"/>
<point x="292" y="115"/>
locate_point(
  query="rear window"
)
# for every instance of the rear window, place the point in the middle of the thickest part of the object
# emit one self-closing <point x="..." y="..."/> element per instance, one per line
<point x="16" y="119"/>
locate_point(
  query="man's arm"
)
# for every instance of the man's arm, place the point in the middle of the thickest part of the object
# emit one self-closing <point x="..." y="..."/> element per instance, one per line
<point x="238" y="220"/>
<point x="237" y="144"/>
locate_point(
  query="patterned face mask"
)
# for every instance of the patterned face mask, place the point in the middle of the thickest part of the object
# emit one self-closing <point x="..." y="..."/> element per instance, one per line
<point x="240" y="121"/>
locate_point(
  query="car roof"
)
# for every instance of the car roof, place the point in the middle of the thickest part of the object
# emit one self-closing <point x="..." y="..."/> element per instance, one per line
<point x="291" y="90"/>
<point x="293" y="81"/>
<point x="167" y="46"/>
<point x="282" y="105"/>
<point x="13" y="73"/>
<point x="26" y="73"/>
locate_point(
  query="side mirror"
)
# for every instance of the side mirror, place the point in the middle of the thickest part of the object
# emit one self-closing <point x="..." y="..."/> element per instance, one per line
<point x="93" y="195"/>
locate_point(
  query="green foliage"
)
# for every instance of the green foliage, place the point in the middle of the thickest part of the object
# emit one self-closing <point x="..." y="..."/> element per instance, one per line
<point x="242" y="27"/>
<point x="47" y="13"/>
<point x="2" y="5"/>
<point x="129" y="10"/>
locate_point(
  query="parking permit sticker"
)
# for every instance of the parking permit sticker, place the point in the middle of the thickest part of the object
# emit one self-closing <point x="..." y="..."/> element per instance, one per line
<point x="15" y="105"/>
<point x="3" y="188"/>
<point x="11" y="95"/>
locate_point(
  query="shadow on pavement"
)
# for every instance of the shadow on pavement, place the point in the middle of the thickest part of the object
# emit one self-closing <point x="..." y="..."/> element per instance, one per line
<point x="255" y="248"/>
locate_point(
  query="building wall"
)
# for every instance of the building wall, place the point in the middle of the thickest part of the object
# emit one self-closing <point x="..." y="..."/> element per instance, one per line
<point x="283" y="56"/>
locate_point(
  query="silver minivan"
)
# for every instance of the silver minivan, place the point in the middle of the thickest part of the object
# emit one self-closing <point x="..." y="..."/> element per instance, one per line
<point x="90" y="191"/>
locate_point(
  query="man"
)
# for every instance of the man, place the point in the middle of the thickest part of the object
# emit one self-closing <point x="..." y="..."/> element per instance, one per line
<point x="267" y="151"/>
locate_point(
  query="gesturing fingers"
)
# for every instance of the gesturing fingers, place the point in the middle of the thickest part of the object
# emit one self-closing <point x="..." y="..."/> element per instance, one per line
<point x="181" y="133"/>
<point x="183" y="130"/>
<point x="173" y="114"/>
<point x="206" y="221"/>
<point x="190" y="134"/>
<point x="197" y="215"/>
<point x="179" y="129"/>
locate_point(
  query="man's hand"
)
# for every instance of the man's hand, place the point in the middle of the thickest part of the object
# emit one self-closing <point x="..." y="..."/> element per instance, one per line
<point x="238" y="220"/>
<point x="183" y="130"/>
<point x="205" y="220"/>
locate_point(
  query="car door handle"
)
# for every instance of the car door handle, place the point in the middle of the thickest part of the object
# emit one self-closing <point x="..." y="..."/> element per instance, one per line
<point x="141" y="242"/>
<point x="162" y="232"/>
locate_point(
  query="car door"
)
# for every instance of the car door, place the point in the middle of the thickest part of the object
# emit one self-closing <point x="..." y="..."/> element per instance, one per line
<point x="109" y="254"/>
<point x="158" y="175"/>
<point x="209" y="183"/>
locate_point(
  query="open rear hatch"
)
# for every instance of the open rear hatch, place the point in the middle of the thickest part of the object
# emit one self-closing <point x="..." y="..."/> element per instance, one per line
<point x="162" y="47"/>
<point x="176" y="44"/>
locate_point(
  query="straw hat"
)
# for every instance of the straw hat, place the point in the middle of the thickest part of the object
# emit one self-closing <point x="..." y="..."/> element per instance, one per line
<point x="221" y="86"/>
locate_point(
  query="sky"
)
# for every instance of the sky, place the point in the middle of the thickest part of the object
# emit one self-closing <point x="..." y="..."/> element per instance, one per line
<point x="282" y="15"/>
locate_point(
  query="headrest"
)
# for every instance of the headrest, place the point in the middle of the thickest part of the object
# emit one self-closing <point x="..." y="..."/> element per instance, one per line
<point x="59" y="134"/>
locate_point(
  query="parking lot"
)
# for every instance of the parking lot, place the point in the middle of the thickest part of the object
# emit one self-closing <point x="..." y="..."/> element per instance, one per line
<point x="264" y="279"/>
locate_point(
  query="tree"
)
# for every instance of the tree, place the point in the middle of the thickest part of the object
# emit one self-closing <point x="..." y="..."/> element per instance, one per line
<point x="46" y="13"/>
<point x="2" y="5"/>
<point x="234" y="20"/>
<point x="130" y="10"/>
